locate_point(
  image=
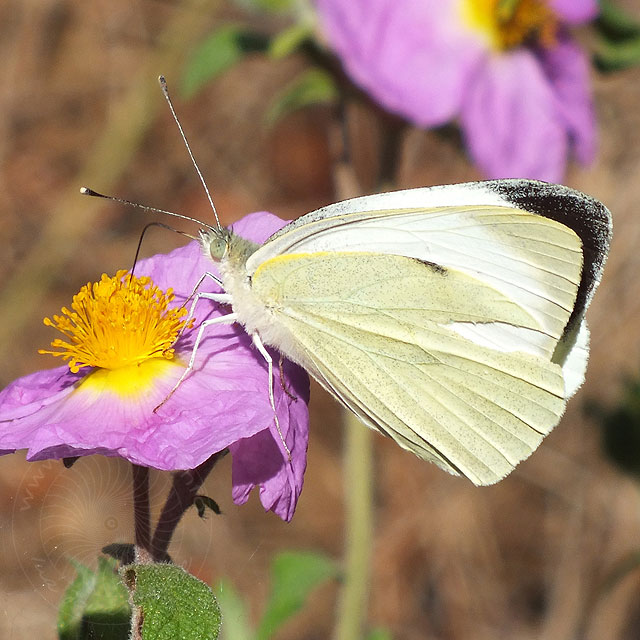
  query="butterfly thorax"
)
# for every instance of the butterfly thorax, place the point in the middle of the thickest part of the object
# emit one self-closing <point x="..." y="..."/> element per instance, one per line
<point x="255" y="314"/>
<point x="231" y="252"/>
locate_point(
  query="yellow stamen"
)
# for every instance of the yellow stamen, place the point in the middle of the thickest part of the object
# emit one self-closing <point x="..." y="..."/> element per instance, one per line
<point x="511" y="23"/>
<point x="117" y="322"/>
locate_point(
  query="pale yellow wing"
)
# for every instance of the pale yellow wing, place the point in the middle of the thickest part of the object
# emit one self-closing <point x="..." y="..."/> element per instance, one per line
<point x="387" y="334"/>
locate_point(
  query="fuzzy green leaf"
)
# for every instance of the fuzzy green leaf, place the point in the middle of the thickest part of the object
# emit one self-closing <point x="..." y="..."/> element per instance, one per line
<point x="95" y="606"/>
<point x="172" y="603"/>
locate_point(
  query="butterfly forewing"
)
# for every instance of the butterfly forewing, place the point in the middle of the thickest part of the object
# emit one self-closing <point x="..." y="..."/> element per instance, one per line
<point x="534" y="261"/>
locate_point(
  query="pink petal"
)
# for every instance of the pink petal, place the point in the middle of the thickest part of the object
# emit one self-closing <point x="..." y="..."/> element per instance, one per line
<point x="567" y="69"/>
<point x="257" y="461"/>
<point x="412" y="56"/>
<point x="575" y="11"/>
<point x="224" y="403"/>
<point x="510" y="120"/>
<point x="224" y="400"/>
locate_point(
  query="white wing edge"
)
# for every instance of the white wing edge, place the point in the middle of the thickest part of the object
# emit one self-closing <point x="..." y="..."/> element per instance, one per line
<point x="572" y="353"/>
<point x="464" y="194"/>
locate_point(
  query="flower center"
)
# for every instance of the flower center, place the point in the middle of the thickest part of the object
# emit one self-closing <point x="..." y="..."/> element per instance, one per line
<point x="117" y="322"/>
<point x="511" y="23"/>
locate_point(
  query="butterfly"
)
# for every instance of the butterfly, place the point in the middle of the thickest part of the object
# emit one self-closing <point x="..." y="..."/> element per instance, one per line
<point x="450" y="318"/>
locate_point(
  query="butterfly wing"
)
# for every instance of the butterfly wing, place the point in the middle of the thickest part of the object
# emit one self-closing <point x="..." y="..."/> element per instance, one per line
<point x="457" y="330"/>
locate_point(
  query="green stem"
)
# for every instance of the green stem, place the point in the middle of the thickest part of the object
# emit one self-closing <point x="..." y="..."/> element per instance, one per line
<point x="358" y="452"/>
<point x="352" y="605"/>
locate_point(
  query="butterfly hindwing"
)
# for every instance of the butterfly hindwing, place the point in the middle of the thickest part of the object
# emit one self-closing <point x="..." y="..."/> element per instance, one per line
<point x="380" y="332"/>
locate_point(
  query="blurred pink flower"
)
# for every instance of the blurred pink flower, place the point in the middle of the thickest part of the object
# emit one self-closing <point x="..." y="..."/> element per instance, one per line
<point x="224" y="403"/>
<point x="516" y="82"/>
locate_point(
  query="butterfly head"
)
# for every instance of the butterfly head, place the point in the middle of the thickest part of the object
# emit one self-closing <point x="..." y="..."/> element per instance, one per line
<point x="224" y="245"/>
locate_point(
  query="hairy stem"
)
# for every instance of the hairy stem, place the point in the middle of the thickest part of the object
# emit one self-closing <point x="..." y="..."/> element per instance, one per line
<point x="184" y="489"/>
<point x="141" y="509"/>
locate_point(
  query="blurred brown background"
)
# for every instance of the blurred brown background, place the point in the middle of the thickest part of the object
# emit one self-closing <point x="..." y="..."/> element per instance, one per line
<point x="79" y="104"/>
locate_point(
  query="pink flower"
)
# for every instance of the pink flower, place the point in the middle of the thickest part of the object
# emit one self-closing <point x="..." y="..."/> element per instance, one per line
<point x="108" y="407"/>
<point x="515" y="81"/>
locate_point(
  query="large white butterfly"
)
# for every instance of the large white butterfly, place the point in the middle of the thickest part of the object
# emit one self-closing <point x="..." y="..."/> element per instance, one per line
<point x="449" y="318"/>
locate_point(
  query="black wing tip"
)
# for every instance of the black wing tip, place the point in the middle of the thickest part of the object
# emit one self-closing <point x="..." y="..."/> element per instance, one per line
<point x="547" y="198"/>
<point x="584" y="214"/>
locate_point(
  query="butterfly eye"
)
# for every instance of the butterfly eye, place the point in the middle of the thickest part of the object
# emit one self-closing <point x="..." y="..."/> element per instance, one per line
<point x="218" y="248"/>
<point x="215" y="243"/>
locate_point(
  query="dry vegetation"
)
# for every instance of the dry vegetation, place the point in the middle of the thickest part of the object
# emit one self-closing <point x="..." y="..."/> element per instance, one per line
<point x="79" y="104"/>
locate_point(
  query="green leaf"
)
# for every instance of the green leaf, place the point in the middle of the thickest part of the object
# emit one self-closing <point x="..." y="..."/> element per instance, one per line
<point x="288" y="40"/>
<point x="275" y="6"/>
<point x="293" y="576"/>
<point x="95" y="606"/>
<point x="620" y="427"/>
<point x="313" y="86"/>
<point x="172" y="603"/>
<point x="73" y="603"/>
<point x="379" y="634"/>
<point x="615" y="23"/>
<point x="234" y="612"/>
<point x="612" y="56"/>
<point x="218" y="53"/>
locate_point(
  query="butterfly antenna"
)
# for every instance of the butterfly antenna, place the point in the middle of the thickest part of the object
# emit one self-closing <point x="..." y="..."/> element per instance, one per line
<point x="146" y="228"/>
<point x="165" y="91"/>
<point x="85" y="191"/>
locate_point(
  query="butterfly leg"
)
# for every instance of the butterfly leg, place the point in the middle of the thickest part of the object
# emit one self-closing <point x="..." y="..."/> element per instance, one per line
<point x="267" y="356"/>
<point x="230" y="318"/>
<point x="223" y="298"/>
<point x="283" y="382"/>
<point x="206" y="274"/>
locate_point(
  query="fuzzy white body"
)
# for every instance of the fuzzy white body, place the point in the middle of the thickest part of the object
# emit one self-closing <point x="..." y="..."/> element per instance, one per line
<point x="257" y="316"/>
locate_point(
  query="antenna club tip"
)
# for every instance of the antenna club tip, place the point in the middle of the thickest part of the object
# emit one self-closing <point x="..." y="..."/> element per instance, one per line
<point x="85" y="191"/>
<point x="162" y="80"/>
